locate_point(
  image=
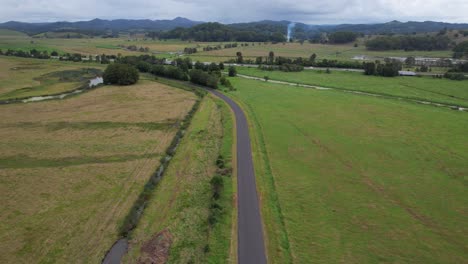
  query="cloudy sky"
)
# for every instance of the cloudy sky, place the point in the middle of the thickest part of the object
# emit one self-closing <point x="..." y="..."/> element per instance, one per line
<point x="307" y="11"/>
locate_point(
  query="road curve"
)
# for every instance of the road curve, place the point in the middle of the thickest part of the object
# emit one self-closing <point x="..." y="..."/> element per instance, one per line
<point x="251" y="246"/>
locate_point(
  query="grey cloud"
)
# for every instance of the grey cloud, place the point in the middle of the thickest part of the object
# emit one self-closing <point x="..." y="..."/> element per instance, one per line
<point x="314" y="12"/>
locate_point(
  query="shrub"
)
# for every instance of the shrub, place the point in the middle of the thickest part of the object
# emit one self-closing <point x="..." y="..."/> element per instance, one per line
<point x="455" y="76"/>
<point x="144" y="66"/>
<point x="232" y="71"/>
<point x="369" y="68"/>
<point x="203" y="78"/>
<point x="220" y="162"/>
<point x="120" y="74"/>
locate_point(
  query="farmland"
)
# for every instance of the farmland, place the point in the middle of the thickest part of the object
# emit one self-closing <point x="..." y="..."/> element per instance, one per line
<point x="422" y="88"/>
<point x="21" y="77"/>
<point x="93" y="46"/>
<point x="341" y="176"/>
<point x="71" y="169"/>
<point x="177" y="217"/>
<point x="323" y="51"/>
<point x="356" y="179"/>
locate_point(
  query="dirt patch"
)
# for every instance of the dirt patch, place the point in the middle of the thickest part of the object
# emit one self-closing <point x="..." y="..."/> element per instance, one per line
<point x="156" y="250"/>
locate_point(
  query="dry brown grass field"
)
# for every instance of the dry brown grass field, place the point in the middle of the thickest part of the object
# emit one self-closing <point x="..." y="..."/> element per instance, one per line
<point x="70" y="170"/>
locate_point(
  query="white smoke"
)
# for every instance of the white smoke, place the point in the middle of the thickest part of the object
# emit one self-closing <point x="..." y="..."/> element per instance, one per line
<point x="290" y="28"/>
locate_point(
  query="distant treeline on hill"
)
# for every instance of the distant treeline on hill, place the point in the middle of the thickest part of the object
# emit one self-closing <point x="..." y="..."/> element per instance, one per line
<point x="213" y="32"/>
<point x="408" y="43"/>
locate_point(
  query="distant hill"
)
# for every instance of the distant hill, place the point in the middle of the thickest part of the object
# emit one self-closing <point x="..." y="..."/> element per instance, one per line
<point x="265" y="27"/>
<point x="100" y="25"/>
<point x="396" y="27"/>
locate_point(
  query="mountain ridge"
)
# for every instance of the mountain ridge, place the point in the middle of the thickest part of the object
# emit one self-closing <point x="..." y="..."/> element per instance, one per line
<point x="98" y="24"/>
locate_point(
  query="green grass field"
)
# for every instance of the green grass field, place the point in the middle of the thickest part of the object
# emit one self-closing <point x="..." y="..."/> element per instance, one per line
<point x="423" y="88"/>
<point x="71" y="169"/>
<point x="323" y="51"/>
<point x="24" y="77"/>
<point x="353" y="179"/>
<point x="174" y="225"/>
<point x="342" y="177"/>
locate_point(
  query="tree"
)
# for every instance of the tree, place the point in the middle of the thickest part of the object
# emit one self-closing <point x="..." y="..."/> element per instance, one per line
<point x="224" y="81"/>
<point x="232" y="71"/>
<point x="200" y="66"/>
<point x="408" y="43"/>
<point x="203" y="78"/>
<point x="120" y="74"/>
<point x="410" y="61"/>
<point x="54" y="53"/>
<point x="389" y="69"/>
<point x="213" y="67"/>
<point x="369" y="68"/>
<point x="221" y="66"/>
<point x="144" y="66"/>
<point x="341" y="37"/>
<point x="271" y="57"/>
<point x="266" y="78"/>
<point x="240" y="59"/>
<point x="104" y="59"/>
<point x="312" y="58"/>
<point x="461" y="50"/>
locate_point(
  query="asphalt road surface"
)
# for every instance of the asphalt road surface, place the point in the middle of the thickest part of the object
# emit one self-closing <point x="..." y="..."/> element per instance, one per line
<point x="251" y="247"/>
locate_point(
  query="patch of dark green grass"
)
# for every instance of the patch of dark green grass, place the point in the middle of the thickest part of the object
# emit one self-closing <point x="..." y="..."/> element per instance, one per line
<point x="82" y="75"/>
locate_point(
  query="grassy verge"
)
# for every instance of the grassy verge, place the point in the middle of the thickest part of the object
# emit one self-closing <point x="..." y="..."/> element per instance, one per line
<point x="422" y="88"/>
<point x="358" y="179"/>
<point x="221" y="235"/>
<point x="179" y="211"/>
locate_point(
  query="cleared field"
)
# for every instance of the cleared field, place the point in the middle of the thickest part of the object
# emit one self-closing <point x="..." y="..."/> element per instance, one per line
<point x="22" y="77"/>
<point x="174" y="225"/>
<point x="354" y="179"/>
<point x="423" y="88"/>
<point x="338" y="52"/>
<point x="93" y="46"/>
<point x="71" y="169"/>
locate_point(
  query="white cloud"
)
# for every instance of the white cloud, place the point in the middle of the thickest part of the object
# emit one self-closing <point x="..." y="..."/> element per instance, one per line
<point x="313" y="12"/>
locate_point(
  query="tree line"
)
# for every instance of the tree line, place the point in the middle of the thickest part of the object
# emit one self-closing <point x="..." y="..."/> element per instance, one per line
<point x="408" y="43"/>
<point x="461" y="50"/>
<point x="182" y="69"/>
<point x="312" y="61"/>
<point x="216" y="32"/>
<point x="75" y="57"/>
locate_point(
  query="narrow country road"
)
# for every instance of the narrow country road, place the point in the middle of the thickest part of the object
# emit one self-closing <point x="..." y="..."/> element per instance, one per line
<point x="251" y="249"/>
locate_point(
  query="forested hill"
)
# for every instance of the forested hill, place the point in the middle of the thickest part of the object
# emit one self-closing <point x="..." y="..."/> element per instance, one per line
<point x="101" y="25"/>
<point x="255" y="31"/>
<point x="397" y="27"/>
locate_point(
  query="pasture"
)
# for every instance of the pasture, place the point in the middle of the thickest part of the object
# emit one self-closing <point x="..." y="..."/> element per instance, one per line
<point x="71" y="169"/>
<point x="53" y="41"/>
<point x="424" y="88"/>
<point x="24" y="77"/>
<point x="323" y="51"/>
<point x="355" y="179"/>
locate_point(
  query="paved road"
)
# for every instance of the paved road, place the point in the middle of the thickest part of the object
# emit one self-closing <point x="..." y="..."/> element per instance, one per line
<point x="251" y="247"/>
